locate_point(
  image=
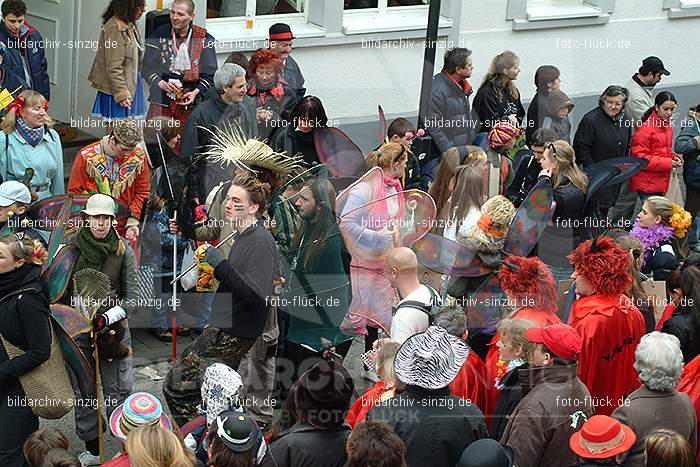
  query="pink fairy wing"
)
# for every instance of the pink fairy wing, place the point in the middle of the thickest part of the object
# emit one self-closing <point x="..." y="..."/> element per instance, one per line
<point x="383" y="126"/>
<point x="338" y="152"/>
<point x="444" y="256"/>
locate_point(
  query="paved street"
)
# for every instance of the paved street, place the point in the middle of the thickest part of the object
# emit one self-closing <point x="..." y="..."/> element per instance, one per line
<point x="153" y="357"/>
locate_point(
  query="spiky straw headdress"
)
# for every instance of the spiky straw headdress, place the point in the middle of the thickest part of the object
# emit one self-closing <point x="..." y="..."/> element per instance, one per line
<point x="229" y="146"/>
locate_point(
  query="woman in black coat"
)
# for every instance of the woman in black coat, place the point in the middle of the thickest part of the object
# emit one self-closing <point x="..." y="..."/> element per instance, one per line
<point x="497" y="98"/>
<point x="298" y="137"/>
<point x="24" y="323"/>
<point x="569" y="186"/>
<point x="685" y="321"/>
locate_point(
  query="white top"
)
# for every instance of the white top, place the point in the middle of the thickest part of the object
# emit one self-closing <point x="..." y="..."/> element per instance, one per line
<point x="407" y="320"/>
<point x="465" y="224"/>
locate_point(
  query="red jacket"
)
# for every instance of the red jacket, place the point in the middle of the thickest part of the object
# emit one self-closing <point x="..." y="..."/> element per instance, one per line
<point x="610" y="328"/>
<point x="653" y="141"/>
<point x="690" y="384"/>
<point x="369" y="399"/>
<point x="470" y="382"/>
<point x="540" y="318"/>
<point x="120" y="461"/>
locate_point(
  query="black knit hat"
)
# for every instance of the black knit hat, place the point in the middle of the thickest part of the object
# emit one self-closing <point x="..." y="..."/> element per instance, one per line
<point x="323" y="395"/>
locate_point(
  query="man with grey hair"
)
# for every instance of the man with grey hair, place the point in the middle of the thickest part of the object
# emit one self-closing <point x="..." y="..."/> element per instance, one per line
<point x="657" y="404"/>
<point x="225" y="105"/>
<point x="470" y="382"/>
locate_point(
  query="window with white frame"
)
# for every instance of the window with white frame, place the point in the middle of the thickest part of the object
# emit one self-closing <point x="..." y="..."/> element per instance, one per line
<point x="376" y="16"/>
<point x="682" y="8"/>
<point x="541" y="14"/>
<point x="252" y="8"/>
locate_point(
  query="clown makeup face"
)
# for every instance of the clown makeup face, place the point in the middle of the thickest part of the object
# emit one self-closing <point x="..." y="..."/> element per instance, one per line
<point x="646" y="218"/>
<point x="34" y="115"/>
<point x="584" y="287"/>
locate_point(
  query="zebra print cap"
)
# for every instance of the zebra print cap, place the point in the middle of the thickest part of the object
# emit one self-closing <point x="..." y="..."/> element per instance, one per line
<point x="431" y="359"/>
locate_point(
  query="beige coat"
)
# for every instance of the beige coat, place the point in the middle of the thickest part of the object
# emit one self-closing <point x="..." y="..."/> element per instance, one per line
<point x="116" y="64"/>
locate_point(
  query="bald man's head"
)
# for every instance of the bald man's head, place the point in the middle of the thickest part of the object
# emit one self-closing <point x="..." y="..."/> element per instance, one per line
<point x="401" y="258"/>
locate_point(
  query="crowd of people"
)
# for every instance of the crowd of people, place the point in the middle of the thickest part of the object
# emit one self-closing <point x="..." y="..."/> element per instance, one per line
<point x="526" y="290"/>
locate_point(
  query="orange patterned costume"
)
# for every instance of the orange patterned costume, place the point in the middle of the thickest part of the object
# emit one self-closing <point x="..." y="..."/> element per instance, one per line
<point x="127" y="179"/>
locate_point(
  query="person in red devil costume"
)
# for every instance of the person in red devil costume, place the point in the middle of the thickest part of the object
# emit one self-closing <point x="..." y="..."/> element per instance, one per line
<point x="609" y="323"/>
<point x="529" y="286"/>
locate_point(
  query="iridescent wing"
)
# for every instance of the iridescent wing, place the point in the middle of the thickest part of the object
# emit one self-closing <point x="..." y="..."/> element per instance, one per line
<point x="70" y="319"/>
<point x="484" y="307"/>
<point x="383" y="126"/>
<point x="75" y="359"/>
<point x="58" y="231"/>
<point x="626" y="168"/>
<point x="57" y="275"/>
<point x="339" y="153"/>
<point x="363" y="190"/>
<point x="444" y="256"/>
<point x="45" y="212"/>
<point x="530" y="220"/>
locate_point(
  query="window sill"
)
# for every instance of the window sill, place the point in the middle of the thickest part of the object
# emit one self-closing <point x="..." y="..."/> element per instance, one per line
<point x="358" y="28"/>
<point x="355" y="22"/>
<point x="561" y="17"/>
<point x="232" y="36"/>
<point x="686" y="10"/>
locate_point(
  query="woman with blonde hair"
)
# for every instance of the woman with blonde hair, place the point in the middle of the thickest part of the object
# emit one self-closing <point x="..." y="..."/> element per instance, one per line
<point x="24" y="322"/>
<point x="372" y="293"/>
<point x="664" y="447"/>
<point x="569" y="185"/>
<point x="497" y="98"/>
<point x="154" y="446"/>
<point x="27" y="141"/>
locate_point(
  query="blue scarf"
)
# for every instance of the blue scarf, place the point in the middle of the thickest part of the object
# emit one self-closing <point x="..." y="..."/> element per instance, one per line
<point x="33" y="136"/>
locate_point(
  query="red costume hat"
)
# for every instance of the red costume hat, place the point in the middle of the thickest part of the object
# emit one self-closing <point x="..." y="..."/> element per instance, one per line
<point x="604" y="264"/>
<point x="601" y="437"/>
<point x="530" y="281"/>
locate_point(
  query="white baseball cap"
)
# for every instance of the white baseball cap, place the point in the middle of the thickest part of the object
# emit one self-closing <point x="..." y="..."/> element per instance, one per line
<point x="12" y="192"/>
<point x="100" y="204"/>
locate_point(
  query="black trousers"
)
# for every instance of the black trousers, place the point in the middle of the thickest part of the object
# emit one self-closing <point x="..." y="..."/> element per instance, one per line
<point x="17" y="422"/>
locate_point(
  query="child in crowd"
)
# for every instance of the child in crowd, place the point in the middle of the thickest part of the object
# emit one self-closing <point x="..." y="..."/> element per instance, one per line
<point x="559" y="106"/>
<point x="15" y="199"/>
<point x="60" y="458"/>
<point x="659" y="224"/>
<point x="41" y="442"/>
<point x="402" y="131"/>
<point x="501" y="140"/>
<point x="382" y="390"/>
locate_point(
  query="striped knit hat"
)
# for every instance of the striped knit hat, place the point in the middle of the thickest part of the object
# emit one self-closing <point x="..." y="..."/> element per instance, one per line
<point x="139" y="409"/>
<point x="431" y="359"/>
<point x="501" y="133"/>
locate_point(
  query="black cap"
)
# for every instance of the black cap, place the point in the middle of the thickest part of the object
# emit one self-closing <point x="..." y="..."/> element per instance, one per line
<point x="487" y="453"/>
<point x="236" y="430"/>
<point x="280" y="32"/>
<point x="655" y="65"/>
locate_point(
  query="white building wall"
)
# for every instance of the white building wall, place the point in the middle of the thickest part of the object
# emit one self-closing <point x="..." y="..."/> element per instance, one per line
<point x="351" y="79"/>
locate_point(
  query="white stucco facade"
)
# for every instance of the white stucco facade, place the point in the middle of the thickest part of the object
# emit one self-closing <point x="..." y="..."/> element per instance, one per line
<point x="351" y="74"/>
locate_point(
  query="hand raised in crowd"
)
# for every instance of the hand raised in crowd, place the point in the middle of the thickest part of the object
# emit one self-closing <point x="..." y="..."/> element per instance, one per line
<point x="262" y="114"/>
<point x="189" y="97"/>
<point x="167" y="86"/>
<point x="174" y="229"/>
<point x="132" y="233"/>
